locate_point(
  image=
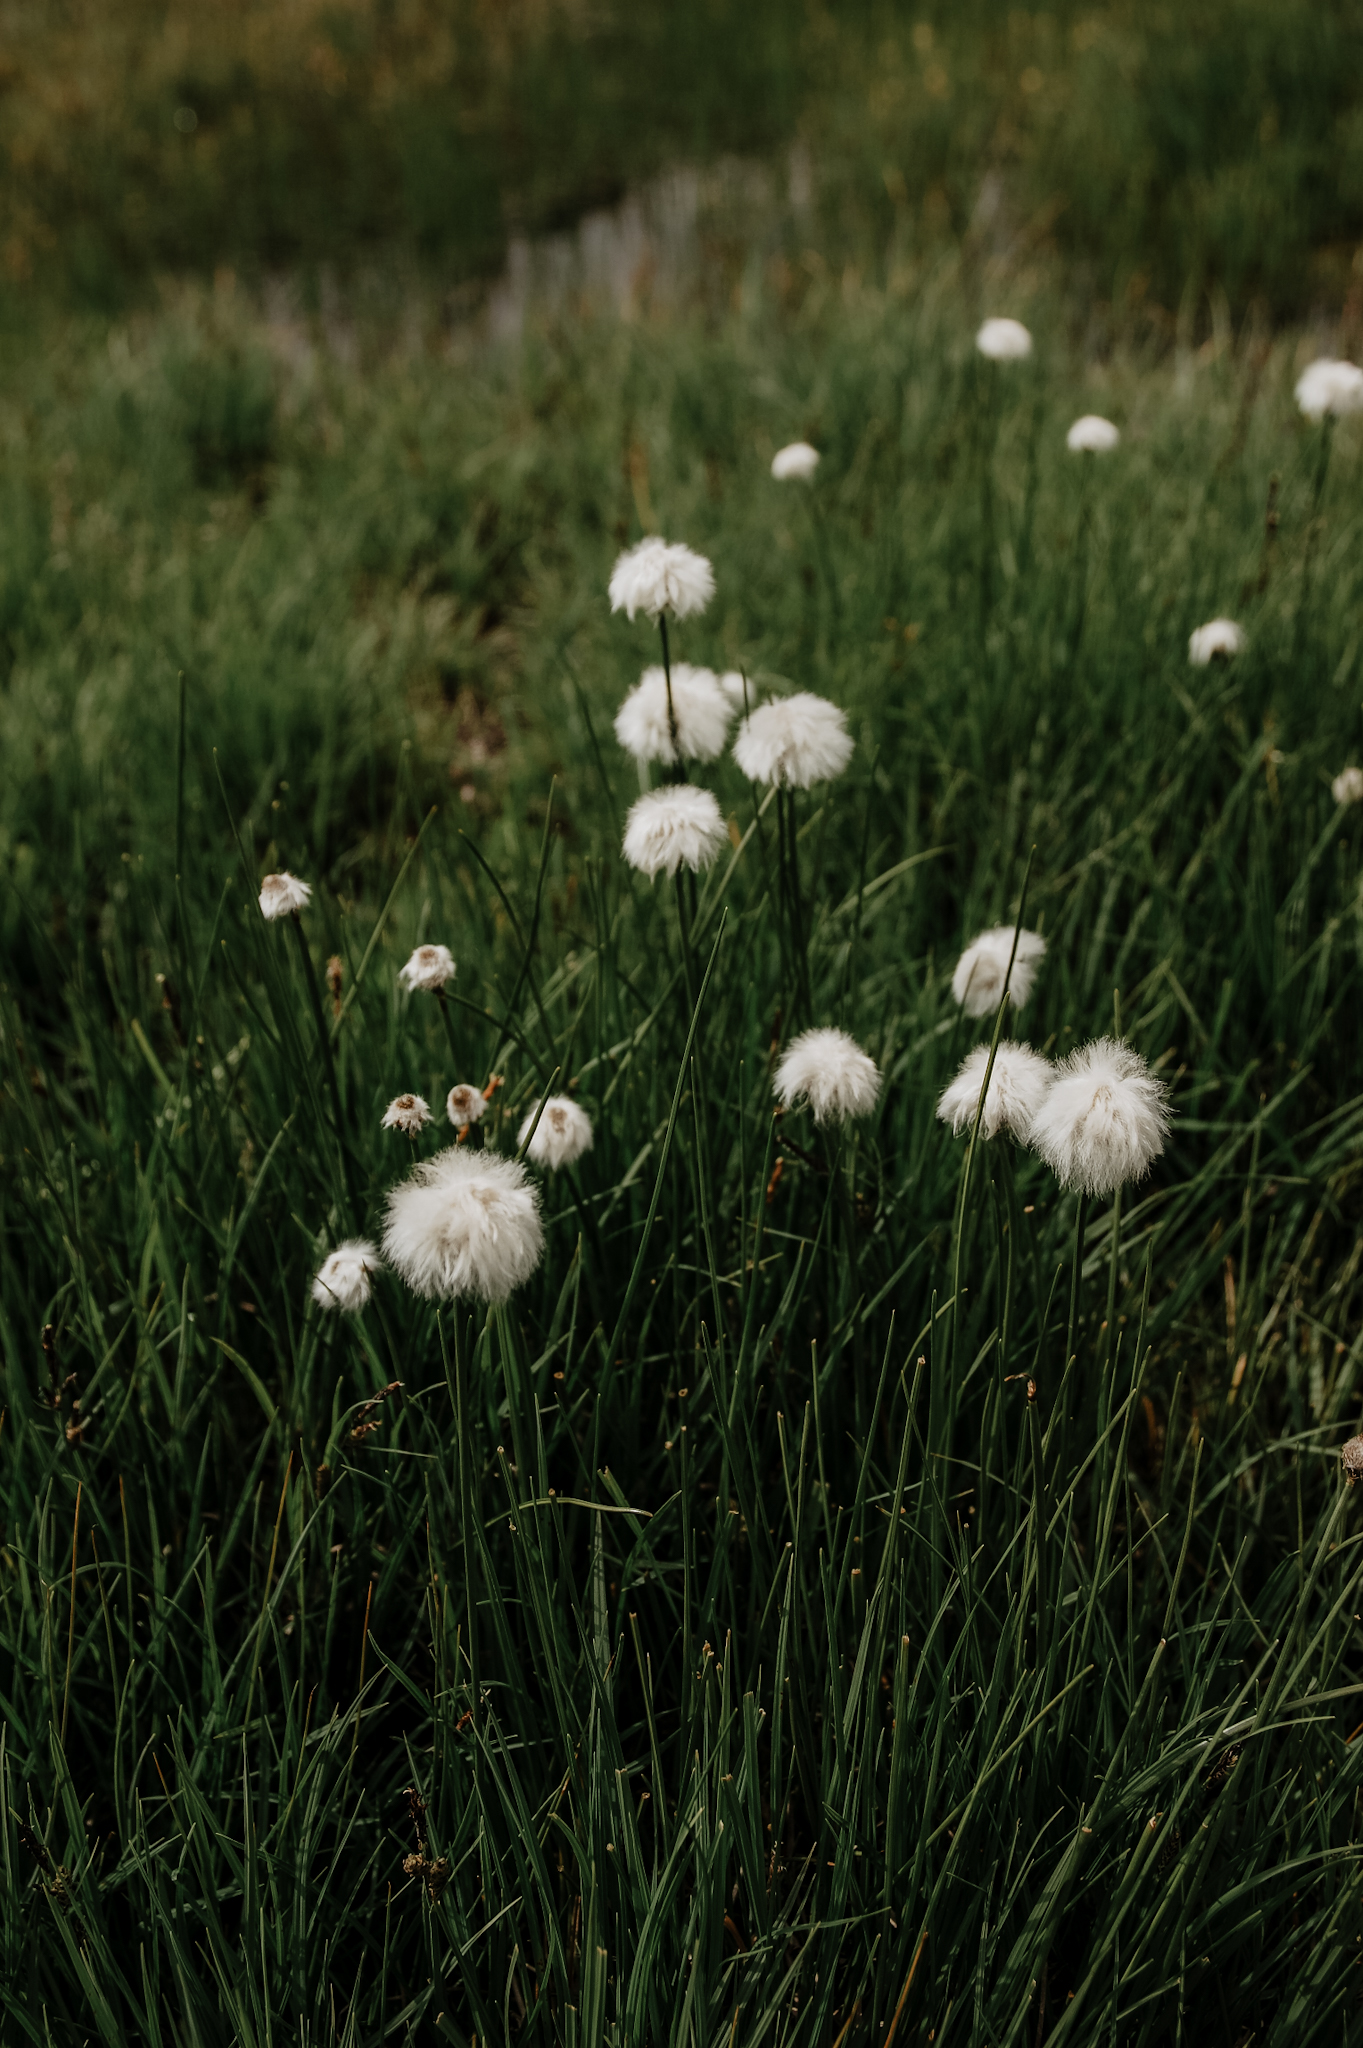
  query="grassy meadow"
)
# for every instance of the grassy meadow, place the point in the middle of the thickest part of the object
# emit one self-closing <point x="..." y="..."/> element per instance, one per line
<point x="849" y="1595"/>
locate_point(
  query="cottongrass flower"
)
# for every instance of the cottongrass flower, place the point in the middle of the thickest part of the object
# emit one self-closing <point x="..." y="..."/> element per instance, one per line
<point x="430" y="967"/>
<point x="672" y="828"/>
<point x="1219" y="638"/>
<point x="409" y="1114"/>
<point x="345" y="1280"/>
<point x="1018" y="1086"/>
<point x="661" y="576"/>
<point x="1347" y="787"/>
<point x="1092" y="435"/>
<point x="464" y="1223"/>
<point x="700" y="708"/>
<point x="794" y="742"/>
<point x="1104" y="1120"/>
<point x="983" y="967"/>
<point x="1326" y="386"/>
<point x="1351" y="1458"/>
<point x="563" y="1134"/>
<point x="465" y="1105"/>
<point x="828" y="1070"/>
<point x="1004" y="341"/>
<point x="281" y="894"/>
<point x="798" y="461"/>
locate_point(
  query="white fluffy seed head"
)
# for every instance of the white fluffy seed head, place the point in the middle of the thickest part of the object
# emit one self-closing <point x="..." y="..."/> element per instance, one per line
<point x="983" y="967"/>
<point x="465" y="1105"/>
<point x="563" y="1133"/>
<point x="1104" y="1119"/>
<point x="409" y="1114"/>
<point x="1018" y="1086"/>
<point x="1092" y="435"/>
<point x="280" y="894"/>
<point x="798" y="461"/>
<point x="661" y="576"/>
<point x="345" y="1280"/>
<point x="794" y="742"/>
<point x="1004" y="341"/>
<point x="676" y="827"/>
<point x="828" y="1070"/>
<point x="430" y="967"/>
<point x="700" y="705"/>
<point x="1219" y="639"/>
<point x="1347" y="787"/>
<point x="464" y="1223"/>
<point x="1326" y="386"/>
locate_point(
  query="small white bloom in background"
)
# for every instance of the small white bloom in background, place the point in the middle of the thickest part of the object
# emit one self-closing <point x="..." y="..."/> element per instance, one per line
<point x="828" y="1070"/>
<point x="794" y="742"/>
<point x="563" y="1134"/>
<point x="465" y="1105"/>
<point x="430" y="967"/>
<point x="661" y="576"/>
<point x="738" y="689"/>
<point x="408" y="1114"/>
<point x="982" y="968"/>
<point x="1347" y="787"/>
<point x="464" y="1223"/>
<point x="1004" y="341"/>
<point x="280" y="894"/>
<point x="799" y="461"/>
<point x="1018" y="1086"/>
<point x="1092" y="435"/>
<point x="1104" y="1120"/>
<point x="700" y="705"/>
<point x="1220" y="638"/>
<point x="345" y="1280"/>
<point x="1326" y="386"/>
<point x="672" y="828"/>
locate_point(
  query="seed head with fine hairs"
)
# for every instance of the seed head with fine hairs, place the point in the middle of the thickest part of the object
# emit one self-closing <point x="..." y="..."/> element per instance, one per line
<point x="794" y="742"/>
<point x="676" y="827"/>
<point x="1218" y="640"/>
<point x="978" y="981"/>
<point x="465" y="1105"/>
<point x="1329" y="387"/>
<point x="283" y="893"/>
<point x="345" y="1279"/>
<point x="828" y="1070"/>
<point x="1347" y="787"/>
<point x="700" y="706"/>
<point x="1104" y="1121"/>
<point x="1092" y="435"/>
<point x="661" y="576"/>
<point x="464" y="1224"/>
<point x="430" y="967"/>
<point x="1004" y="341"/>
<point x="1018" y="1086"/>
<point x="799" y="462"/>
<point x="563" y="1133"/>
<point x="409" y="1114"/>
<point x="1351" y="1457"/>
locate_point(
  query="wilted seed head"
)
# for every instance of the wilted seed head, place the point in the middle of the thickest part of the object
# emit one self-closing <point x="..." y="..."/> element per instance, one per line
<point x="1004" y="341"/>
<point x="345" y="1280"/>
<point x="1347" y="787"/>
<point x="1351" y="1457"/>
<point x="1092" y="435"/>
<point x="1218" y="640"/>
<point x="430" y="967"/>
<point x="660" y="576"/>
<point x="563" y="1134"/>
<point x="827" y="1069"/>
<point x="1326" y="386"/>
<point x="676" y="827"/>
<point x="794" y="742"/>
<point x="700" y="707"/>
<point x="465" y="1105"/>
<point x="1104" y="1119"/>
<point x="464" y="1223"/>
<point x="982" y="968"/>
<point x="798" y="461"/>
<point x="409" y="1114"/>
<point x="1018" y="1086"/>
<point x="283" y="893"/>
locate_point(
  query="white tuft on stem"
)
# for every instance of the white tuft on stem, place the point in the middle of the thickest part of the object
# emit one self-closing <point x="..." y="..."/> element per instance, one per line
<point x="1329" y="387"/>
<point x="465" y="1105"/>
<point x="563" y="1133"/>
<point x="1004" y="341"/>
<point x="464" y="1223"/>
<point x="794" y="742"/>
<point x="981" y="969"/>
<point x="430" y="967"/>
<point x="1104" y="1120"/>
<point x="1092" y="435"/>
<point x="281" y="894"/>
<point x="701" y="711"/>
<point x="1219" y="639"/>
<point x="799" y="461"/>
<point x="345" y="1280"/>
<point x="828" y="1070"/>
<point x="1018" y="1086"/>
<point x="672" y="828"/>
<point x="409" y="1114"/>
<point x="661" y="576"/>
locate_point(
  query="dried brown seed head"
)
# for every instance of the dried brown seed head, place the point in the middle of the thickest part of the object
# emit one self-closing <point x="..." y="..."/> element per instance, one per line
<point x="1352" y="1459"/>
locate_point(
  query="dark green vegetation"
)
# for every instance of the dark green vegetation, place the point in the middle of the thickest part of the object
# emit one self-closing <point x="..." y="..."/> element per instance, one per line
<point x="1170" y="149"/>
<point x="765" y="1662"/>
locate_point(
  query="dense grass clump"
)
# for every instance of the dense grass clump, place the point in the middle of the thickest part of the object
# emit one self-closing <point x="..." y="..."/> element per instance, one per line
<point x="846" y="1594"/>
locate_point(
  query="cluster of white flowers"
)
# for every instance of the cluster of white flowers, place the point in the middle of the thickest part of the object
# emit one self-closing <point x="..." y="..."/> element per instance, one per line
<point x="1098" y="1118"/>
